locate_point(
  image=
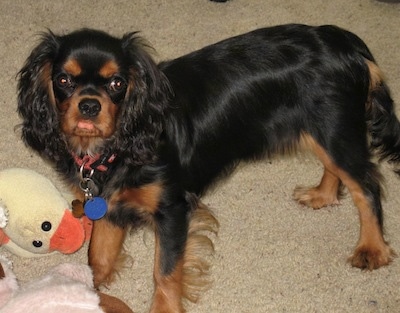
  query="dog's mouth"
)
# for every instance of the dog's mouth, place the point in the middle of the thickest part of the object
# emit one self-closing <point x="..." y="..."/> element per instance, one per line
<point x="86" y="136"/>
<point x="87" y="128"/>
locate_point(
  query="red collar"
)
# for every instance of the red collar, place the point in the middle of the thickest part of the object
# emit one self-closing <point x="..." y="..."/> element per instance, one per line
<point x="100" y="162"/>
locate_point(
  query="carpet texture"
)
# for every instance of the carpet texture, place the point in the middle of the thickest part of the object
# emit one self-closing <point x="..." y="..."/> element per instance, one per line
<point x="271" y="254"/>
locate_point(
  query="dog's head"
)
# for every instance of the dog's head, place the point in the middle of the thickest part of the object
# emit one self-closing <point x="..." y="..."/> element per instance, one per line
<point x="89" y="93"/>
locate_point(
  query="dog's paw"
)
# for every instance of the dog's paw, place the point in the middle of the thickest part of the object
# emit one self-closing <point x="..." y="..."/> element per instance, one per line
<point x="368" y="258"/>
<point x="313" y="197"/>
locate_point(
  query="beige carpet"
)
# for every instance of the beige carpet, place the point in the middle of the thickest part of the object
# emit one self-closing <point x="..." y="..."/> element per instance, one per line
<point x="272" y="255"/>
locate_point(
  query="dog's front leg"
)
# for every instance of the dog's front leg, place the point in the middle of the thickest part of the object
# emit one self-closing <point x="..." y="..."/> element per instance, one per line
<point x="105" y="250"/>
<point x="171" y="227"/>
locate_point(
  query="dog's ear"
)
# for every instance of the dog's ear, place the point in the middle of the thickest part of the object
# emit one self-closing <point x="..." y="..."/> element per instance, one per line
<point x="40" y="129"/>
<point x="141" y="119"/>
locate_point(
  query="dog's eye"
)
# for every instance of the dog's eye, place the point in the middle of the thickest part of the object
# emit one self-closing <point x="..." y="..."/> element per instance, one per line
<point x="64" y="81"/>
<point x="116" y="84"/>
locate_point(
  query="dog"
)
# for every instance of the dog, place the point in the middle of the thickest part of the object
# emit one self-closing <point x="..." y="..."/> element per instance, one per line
<point x="148" y="140"/>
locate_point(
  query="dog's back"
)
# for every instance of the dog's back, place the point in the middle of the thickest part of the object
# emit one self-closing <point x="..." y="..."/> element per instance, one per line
<point x="256" y="94"/>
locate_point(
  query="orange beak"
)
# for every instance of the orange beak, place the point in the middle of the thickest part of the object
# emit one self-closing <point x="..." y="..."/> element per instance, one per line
<point x="69" y="236"/>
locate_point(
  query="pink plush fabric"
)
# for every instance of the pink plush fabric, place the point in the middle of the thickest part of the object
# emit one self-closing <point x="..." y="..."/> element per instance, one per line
<point x="67" y="288"/>
<point x="8" y="284"/>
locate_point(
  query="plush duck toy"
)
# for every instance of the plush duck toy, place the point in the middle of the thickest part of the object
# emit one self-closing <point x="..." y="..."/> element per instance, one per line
<point x="35" y="218"/>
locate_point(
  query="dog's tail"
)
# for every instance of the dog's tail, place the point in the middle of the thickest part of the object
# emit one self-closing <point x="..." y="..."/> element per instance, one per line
<point x="383" y="124"/>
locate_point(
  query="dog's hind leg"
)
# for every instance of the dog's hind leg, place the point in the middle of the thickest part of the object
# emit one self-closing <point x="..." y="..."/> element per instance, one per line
<point x="325" y="194"/>
<point x="372" y="251"/>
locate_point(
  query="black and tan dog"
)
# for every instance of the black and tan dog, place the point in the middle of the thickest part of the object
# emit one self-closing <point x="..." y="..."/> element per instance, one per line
<point x="148" y="140"/>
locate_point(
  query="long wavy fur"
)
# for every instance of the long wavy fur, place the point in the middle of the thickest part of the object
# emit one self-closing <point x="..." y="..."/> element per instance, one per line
<point x="40" y="128"/>
<point x="141" y="121"/>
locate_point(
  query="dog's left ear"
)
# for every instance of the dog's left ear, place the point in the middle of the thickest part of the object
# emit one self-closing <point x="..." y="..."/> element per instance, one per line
<point x="141" y="119"/>
<point x="40" y="129"/>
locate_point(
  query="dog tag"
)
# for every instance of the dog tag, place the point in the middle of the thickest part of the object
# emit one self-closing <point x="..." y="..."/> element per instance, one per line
<point x="95" y="208"/>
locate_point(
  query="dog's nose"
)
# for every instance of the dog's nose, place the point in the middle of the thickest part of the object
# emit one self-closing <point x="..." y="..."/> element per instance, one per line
<point x="89" y="107"/>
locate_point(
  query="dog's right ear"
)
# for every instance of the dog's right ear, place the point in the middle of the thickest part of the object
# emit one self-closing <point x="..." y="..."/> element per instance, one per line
<point x="36" y="107"/>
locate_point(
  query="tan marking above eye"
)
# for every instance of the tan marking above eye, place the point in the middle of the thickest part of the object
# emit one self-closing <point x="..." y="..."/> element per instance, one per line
<point x="72" y="67"/>
<point x="109" y="69"/>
